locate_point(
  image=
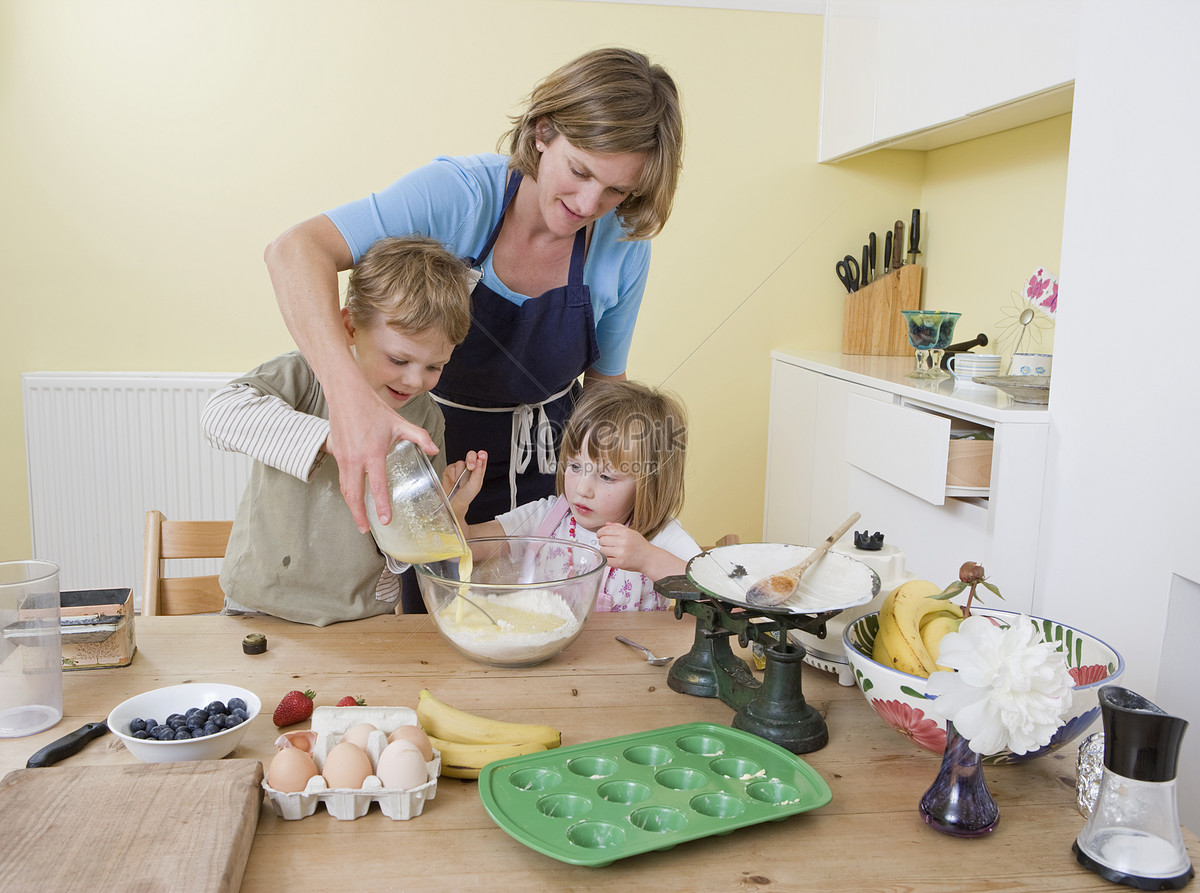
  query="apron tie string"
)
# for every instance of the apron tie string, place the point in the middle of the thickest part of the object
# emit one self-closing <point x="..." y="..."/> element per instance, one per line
<point x="532" y="434"/>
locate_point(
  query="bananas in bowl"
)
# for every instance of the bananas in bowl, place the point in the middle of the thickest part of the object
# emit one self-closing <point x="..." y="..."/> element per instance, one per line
<point x="895" y="686"/>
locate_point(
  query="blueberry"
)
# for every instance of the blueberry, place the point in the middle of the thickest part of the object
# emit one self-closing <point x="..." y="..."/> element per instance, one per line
<point x="211" y="729"/>
<point x="182" y="735"/>
<point x="234" y="720"/>
<point x="175" y="716"/>
<point x="140" y="733"/>
<point x="216" y="707"/>
<point x="164" y="733"/>
<point x="236" y="704"/>
<point x="193" y="724"/>
<point x="137" y="725"/>
<point x="217" y="720"/>
<point x="150" y="723"/>
<point x="240" y="713"/>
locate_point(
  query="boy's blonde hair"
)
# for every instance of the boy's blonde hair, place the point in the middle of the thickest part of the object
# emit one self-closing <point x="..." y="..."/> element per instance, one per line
<point x="636" y="430"/>
<point x="411" y="283"/>
<point x="610" y="101"/>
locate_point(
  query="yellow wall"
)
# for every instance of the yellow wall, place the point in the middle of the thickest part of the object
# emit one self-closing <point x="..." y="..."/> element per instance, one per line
<point x="151" y="150"/>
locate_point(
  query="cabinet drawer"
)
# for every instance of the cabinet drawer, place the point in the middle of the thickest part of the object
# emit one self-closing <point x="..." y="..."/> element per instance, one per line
<point x="905" y="447"/>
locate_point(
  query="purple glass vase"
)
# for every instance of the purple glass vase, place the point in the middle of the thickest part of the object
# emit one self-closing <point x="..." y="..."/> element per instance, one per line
<point x="959" y="802"/>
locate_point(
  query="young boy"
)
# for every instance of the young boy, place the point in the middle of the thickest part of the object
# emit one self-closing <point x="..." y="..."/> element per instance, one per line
<point x="295" y="550"/>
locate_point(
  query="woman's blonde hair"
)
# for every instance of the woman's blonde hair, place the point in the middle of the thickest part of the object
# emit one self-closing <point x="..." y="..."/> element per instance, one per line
<point x="411" y="283"/>
<point x="610" y="101"/>
<point x="635" y="430"/>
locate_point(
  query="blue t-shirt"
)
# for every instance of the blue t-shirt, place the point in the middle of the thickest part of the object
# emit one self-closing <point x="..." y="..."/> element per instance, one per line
<point x="457" y="201"/>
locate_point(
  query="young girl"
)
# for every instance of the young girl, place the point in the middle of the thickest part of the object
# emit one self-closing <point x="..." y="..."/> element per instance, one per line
<point x="620" y="484"/>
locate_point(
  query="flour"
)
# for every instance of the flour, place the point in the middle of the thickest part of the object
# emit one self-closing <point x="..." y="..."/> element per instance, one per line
<point x="531" y="625"/>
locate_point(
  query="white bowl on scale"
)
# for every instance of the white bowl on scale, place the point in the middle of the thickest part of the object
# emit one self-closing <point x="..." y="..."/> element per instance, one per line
<point x="826" y="652"/>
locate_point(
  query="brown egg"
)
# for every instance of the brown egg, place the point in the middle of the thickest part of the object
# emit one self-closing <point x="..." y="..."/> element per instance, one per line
<point x="346" y="766"/>
<point x="290" y="770"/>
<point x="402" y="767"/>
<point x="359" y="734"/>
<point x="304" y="740"/>
<point x="416" y="735"/>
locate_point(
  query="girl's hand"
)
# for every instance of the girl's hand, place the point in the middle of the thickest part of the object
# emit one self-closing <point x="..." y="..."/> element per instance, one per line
<point x="628" y="550"/>
<point x="624" y="547"/>
<point x="475" y="464"/>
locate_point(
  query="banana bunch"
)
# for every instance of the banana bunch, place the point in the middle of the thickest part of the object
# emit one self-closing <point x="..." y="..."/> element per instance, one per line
<point x="911" y="627"/>
<point x="468" y="742"/>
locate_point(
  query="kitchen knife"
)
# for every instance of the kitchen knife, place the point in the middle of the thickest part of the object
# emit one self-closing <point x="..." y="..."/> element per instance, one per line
<point x="914" y="236"/>
<point x="871" y="242"/>
<point x="887" y="251"/>
<point x="898" y="246"/>
<point x="866" y="266"/>
<point x="66" y="745"/>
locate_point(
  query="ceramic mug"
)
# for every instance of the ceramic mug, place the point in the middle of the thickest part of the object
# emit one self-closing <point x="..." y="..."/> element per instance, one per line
<point x="1030" y="364"/>
<point x="965" y="366"/>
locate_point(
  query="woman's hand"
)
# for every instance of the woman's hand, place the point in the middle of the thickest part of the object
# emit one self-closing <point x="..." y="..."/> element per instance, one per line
<point x="303" y="263"/>
<point x="474" y="465"/>
<point x="362" y="428"/>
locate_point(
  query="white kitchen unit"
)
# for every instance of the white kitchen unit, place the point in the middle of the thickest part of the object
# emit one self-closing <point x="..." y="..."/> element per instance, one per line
<point x="921" y="74"/>
<point x="852" y="433"/>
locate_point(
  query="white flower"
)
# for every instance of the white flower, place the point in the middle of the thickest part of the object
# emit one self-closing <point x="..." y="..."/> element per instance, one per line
<point x="1011" y="690"/>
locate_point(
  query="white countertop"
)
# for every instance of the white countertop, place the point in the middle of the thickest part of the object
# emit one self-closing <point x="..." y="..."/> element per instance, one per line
<point x="889" y="374"/>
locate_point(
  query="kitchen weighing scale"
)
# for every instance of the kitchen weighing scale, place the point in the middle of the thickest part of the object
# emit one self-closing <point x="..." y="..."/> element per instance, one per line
<point x="713" y="590"/>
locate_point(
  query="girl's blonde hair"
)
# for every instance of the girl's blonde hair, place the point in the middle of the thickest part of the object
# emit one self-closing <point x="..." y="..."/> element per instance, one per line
<point x="636" y="430"/>
<point x="413" y="284"/>
<point x="609" y="101"/>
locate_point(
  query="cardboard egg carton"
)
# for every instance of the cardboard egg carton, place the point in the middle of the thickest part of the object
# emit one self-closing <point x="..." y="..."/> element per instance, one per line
<point x="330" y="724"/>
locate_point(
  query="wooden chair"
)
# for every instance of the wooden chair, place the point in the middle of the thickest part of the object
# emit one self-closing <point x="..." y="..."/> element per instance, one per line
<point x="182" y="539"/>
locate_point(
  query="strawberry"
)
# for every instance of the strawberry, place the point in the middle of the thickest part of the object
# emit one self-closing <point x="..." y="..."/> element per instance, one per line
<point x="351" y="701"/>
<point x="296" y="706"/>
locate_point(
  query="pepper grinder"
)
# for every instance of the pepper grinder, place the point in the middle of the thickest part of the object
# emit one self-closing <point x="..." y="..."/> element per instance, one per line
<point x="1133" y="836"/>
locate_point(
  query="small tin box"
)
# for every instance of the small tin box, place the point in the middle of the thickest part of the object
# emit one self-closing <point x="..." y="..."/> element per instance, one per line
<point x="97" y="628"/>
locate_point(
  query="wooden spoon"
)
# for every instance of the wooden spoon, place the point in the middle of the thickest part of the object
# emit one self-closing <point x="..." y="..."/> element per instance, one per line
<point x="778" y="588"/>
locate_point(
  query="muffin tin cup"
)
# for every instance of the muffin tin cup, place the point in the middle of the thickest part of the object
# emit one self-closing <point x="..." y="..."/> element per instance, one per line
<point x="330" y="724"/>
<point x="591" y="804"/>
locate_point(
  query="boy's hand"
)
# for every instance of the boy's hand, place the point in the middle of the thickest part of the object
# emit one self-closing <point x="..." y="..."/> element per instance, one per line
<point x="475" y="465"/>
<point x="361" y="431"/>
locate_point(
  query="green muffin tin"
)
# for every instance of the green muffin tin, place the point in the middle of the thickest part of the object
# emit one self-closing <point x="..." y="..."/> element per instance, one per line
<point x="591" y="804"/>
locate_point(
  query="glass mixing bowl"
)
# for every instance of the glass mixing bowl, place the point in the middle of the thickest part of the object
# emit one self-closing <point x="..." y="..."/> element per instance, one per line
<point x="526" y="600"/>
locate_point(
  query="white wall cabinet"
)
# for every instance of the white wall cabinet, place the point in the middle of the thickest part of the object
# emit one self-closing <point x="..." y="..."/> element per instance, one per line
<point x="850" y="433"/>
<point x="920" y="74"/>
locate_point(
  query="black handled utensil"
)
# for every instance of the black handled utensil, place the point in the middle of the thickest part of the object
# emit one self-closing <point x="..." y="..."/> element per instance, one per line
<point x="871" y="244"/>
<point x="887" y="251"/>
<point x="898" y="245"/>
<point x="914" y="236"/>
<point x="66" y="745"/>
<point x="866" y="266"/>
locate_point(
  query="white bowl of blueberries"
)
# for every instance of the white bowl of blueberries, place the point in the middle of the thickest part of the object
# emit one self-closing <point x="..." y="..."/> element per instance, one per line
<point x="193" y="721"/>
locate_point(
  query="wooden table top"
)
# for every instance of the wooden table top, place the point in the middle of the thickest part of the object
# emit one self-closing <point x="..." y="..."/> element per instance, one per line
<point x="869" y="838"/>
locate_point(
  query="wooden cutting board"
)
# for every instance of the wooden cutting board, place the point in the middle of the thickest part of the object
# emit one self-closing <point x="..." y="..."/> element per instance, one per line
<point x="148" y="826"/>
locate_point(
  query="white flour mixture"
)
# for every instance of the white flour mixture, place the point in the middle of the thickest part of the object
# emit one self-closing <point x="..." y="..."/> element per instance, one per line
<point x="531" y="625"/>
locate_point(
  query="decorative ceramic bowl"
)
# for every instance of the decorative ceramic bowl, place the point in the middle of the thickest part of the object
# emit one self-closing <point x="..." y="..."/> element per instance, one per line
<point x="526" y="600"/>
<point x="162" y="702"/>
<point x="1022" y="388"/>
<point x="900" y="700"/>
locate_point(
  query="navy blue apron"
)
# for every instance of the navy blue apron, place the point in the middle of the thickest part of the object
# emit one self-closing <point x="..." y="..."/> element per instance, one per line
<point x="513" y="381"/>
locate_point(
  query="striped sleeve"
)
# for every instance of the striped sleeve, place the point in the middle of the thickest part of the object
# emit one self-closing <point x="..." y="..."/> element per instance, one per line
<point x="239" y="418"/>
<point x="388" y="587"/>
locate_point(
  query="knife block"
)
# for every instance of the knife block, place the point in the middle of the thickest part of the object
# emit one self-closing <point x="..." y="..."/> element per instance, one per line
<point x="873" y="325"/>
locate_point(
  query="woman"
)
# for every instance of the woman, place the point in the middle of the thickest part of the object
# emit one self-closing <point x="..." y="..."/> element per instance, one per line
<point x="557" y="228"/>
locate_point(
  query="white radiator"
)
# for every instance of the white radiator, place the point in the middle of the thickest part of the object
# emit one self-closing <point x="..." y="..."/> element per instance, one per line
<point x="102" y="449"/>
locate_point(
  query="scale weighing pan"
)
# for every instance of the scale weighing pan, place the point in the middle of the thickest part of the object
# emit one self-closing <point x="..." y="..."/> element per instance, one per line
<point x="834" y="583"/>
